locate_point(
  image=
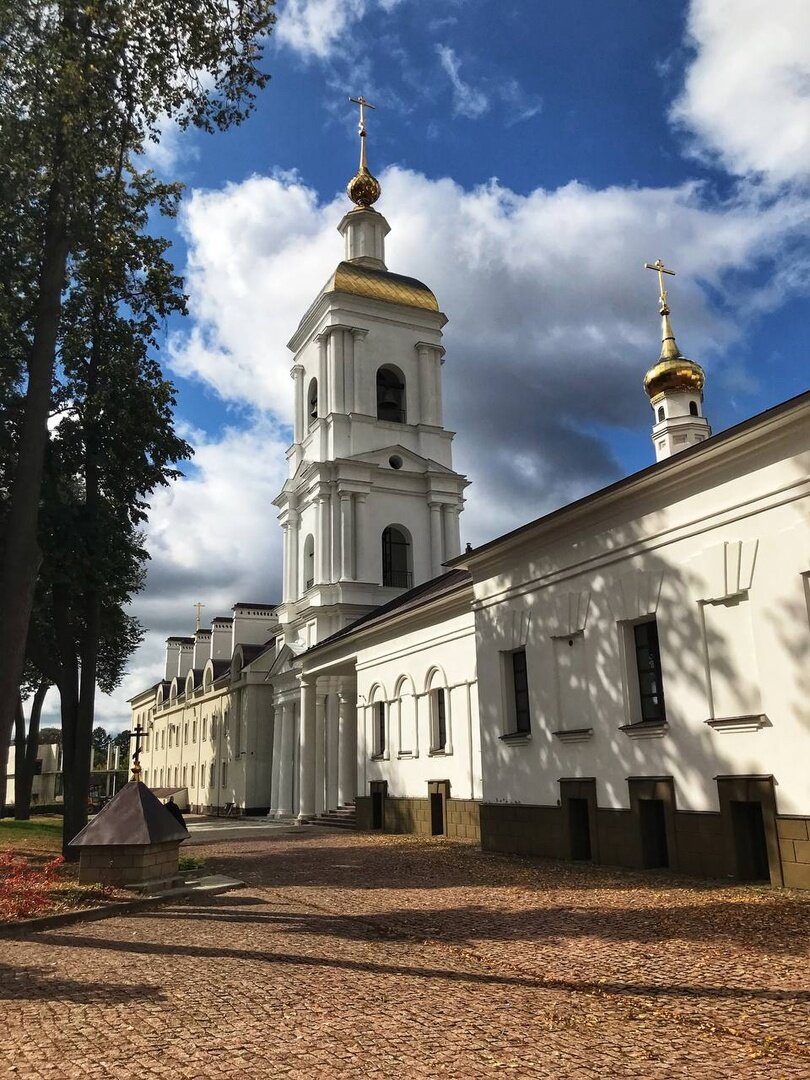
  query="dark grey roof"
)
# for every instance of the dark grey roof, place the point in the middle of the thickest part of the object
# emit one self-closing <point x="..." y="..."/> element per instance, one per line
<point x="220" y="668"/>
<point x="182" y="640"/>
<point x="222" y="618"/>
<point x="132" y="817"/>
<point x="409" y="601"/>
<point x="264" y="607"/>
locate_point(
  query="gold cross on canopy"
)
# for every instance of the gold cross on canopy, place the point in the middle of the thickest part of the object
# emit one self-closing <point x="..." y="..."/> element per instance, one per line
<point x="661" y="270"/>
<point x="198" y="608"/>
<point x="361" y="101"/>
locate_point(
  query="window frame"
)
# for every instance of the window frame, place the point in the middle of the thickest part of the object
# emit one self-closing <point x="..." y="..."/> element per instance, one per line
<point x="439" y="727"/>
<point x="636" y="696"/>
<point x="519" y="718"/>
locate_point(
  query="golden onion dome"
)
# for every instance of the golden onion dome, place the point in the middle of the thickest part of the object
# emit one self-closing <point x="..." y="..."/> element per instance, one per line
<point x="673" y="371"/>
<point x="678" y="374"/>
<point x="363" y="188"/>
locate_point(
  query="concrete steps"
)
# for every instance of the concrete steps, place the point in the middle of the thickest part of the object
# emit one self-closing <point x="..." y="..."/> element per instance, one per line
<point x="342" y="818"/>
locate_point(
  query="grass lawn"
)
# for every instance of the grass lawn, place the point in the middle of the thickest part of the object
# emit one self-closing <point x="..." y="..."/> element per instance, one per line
<point x="40" y="834"/>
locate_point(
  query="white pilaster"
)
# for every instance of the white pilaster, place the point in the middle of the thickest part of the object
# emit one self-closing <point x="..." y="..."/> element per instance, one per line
<point x="452" y="534"/>
<point x="322" y="541"/>
<point x="427" y="404"/>
<point x="299" y="424"/>
<point x="336" y="365"/>
<point x="346" y="537"/>
<point x="436" y="545"/>
<point x="334" y="554"/>
<point x="363" y="570"/>
<point x="361" y="382"/>
<point x="285" y="576"/>
<point x="323" y="389"/>
<point x="292" y="552"/>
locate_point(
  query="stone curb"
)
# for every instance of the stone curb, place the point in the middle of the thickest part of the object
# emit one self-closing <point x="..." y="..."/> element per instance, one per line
<point x="93" y="914"/>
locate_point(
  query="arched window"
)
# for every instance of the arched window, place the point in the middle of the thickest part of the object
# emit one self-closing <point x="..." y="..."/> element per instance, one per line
<point x="693" y="409"/>
<point x="439" y="712"/>
<point x="391" y="395"/>
<point x="396" y="558"/>
<point x="312" y="403"/>
<point x="660" y="414"/>
<point x="309" y="562"/>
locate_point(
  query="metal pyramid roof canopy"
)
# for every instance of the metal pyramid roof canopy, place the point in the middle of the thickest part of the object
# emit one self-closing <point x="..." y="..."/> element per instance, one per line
<point x="132" y="817"/>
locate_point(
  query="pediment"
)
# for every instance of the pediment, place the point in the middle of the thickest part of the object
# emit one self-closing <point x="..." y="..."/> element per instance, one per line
<point x="285" y="659"/>
<point x="411" y="462"/>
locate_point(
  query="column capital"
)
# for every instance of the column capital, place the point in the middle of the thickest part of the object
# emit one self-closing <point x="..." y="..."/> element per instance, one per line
<point x="358" y="331"/>
<point x="424" y="346"/>
<point x="296" y="370"/>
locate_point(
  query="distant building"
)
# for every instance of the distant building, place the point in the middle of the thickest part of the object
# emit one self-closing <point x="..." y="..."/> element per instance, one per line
<point x="47" y="786"/>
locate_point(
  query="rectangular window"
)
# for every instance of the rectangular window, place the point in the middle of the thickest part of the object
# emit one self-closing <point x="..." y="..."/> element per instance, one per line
<point x="379" y="728"/>
<point x="224" y="773"/>
<point x="520" y="691"/>
<point x="192" y="776"/>
<point x="439" y="717"/>
<point x="193" y="731"/>
<point x="211" y="775"/>
<point x="184" y="776"/>
<point x="204" y="728"/>
<point x="185" y="734"/>
<point x="170" y="736"/>
<point x="160" y="782"/>
<point x="163" y="739"/>
<point x="176" y="776"/>
<point x="648" y="668"/>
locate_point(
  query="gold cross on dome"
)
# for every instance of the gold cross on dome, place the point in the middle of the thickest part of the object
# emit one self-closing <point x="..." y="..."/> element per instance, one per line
<point x="661" y="270"/>
<point x="361" y="101"/>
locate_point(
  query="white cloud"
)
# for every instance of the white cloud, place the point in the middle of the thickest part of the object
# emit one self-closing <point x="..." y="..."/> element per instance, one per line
<point x="747" y="92"/>
<point x="314" y="28"/>
<point x="552" y="318"/>
<point x="213" y="537"/>
<point x="467" y="100"/>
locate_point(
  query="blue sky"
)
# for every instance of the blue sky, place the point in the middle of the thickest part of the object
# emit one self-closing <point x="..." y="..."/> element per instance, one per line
<point x="533" y="155"/>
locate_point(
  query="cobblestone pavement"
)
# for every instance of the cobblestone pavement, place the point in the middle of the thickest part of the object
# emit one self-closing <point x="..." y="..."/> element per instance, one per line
<point x="356" y="955"/>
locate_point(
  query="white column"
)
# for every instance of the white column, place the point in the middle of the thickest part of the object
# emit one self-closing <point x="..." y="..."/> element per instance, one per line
<point x="285" y="764"/>
<point x="299" y="426"/>
<point x="322" y="542"/>
<point x="346" y="537"/>
<point x="362" y="381"/>
<point x="362" y="552"/>
<point x="347" y="740"/>
<point x="452" y="536"/>
<point x="438" y="360"/>
<point x="348" y="371"/>
<point x="436" y="547"/>
<point x="323" y="389"/>
<point x="334" y="555"/>
<point x="275" y="766"/>
<point x="292" y="551"/>
<point x="320" y="752"/>
<point x="306" y="752"/>
<point x="332" y="750"/>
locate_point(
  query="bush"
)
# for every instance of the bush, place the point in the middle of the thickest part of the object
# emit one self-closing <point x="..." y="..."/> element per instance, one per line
<point x="25" y="889"/>
<point x="190" y="862"/>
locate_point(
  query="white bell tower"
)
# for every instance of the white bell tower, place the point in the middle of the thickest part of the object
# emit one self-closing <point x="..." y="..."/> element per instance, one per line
<point x="675" y="388"/>
<point x="371" y="504"/>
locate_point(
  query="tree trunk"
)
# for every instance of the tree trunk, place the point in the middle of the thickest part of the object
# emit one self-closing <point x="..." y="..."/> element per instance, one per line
<point x="21" y="556"/>
<point x="75" y="755"/>
<point x="27" y="761"/>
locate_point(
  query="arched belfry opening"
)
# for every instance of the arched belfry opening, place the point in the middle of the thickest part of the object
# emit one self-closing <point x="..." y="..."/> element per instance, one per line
<point x="396" y="558"/>
<point x="312" y="402"/>
<point x="391" y="395"/>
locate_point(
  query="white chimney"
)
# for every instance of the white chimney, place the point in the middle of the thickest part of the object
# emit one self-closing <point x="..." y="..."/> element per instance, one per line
<point x="253" y="624"/>
<point x="184" y="657"/>
<point x="221" y="638"/>
<point x="202" y="649"/>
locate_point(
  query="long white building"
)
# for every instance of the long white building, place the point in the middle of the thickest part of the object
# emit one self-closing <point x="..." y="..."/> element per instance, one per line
<point x="623" y="680"/>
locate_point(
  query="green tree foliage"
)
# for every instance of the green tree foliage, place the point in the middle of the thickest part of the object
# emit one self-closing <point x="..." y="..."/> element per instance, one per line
<point x="83" y="86"/>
